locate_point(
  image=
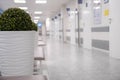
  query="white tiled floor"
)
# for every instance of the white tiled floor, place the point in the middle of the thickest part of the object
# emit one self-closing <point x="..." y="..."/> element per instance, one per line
<point x="68" y="62"/>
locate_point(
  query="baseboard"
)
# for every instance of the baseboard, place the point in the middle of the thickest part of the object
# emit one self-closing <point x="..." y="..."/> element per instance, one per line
<point x="105" y="51"/>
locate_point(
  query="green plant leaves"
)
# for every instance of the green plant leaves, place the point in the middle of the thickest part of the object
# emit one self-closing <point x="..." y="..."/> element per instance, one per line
<point x="15" y="19"/>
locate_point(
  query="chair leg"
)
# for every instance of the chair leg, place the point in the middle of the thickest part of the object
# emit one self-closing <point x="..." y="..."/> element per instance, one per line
<point x="43" y="50"/>
<point x="40" y="66"/>
<point x="0" y="74"/>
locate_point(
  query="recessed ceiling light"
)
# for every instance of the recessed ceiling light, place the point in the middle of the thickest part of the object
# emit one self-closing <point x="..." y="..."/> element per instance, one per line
<point x="97" y="7"/>
<point x="24" y="8"/>
<point x="41" y="1"/>
<point x="27" y="11"/>
<point x="97" y="1"/>
<point x="38" y="12"/>
<point x="37" y="17"/>
<point x="19" y="1"/>
<point x="35" y="20"/>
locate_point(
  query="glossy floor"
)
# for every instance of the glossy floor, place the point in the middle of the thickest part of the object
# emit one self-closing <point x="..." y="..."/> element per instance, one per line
<point x="68" y="62"/>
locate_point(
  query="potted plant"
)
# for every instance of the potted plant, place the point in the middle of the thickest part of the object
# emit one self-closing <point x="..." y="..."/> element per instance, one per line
<point x="17" y="36"/>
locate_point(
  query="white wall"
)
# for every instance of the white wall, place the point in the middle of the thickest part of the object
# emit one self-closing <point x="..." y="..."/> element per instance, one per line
<point x="69" y="20"/>
<point x="65" y="22"/>
<point x="57" y="26"/>
<point x="101" y="36"/>
<point x="94" y="39"/>
<point x="86" y="22"/>
<point x="60" y="28"/>
<point x="95" y="36"/>
<point x="44" y="32"/>
<point x="89" y="38"/>
<point x="52" y="29"/>
<point x="115" y="28"/>
<point x="72" y="21"/>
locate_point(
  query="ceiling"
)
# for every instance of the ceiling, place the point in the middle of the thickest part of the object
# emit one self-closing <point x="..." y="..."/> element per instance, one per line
<point x="49" y="9"/>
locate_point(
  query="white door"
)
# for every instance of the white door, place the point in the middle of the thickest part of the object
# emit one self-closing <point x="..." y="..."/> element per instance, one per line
<point x="87" y="24"/>
<point x="72" y="33"/>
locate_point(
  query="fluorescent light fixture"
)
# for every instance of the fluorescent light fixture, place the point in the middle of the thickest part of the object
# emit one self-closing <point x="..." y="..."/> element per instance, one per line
<point x="27" y="11"/>
<point x="37" y="17"/>
<point x="35" y="21"/>
<point x="41" y="1"/>
<point x="73" y="12"/>
<point x="97" y="1"/>
<point x="97" y="7"/>
<point x="24" y="8"/>
<point x="38" y="12"/>
<point x="19" y="1"/>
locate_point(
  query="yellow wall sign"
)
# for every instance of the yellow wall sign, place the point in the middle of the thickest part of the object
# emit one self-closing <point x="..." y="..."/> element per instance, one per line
<point x="106" y="12"/>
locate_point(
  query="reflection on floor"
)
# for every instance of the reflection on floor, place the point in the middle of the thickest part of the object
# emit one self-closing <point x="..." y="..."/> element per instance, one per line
<point x="68" y="62"/>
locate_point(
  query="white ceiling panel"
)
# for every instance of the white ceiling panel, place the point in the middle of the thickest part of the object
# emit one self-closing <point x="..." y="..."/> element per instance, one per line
<point x="48" y="9"/>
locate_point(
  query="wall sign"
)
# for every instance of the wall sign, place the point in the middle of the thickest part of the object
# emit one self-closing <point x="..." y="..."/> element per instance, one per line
<point x="68" y="9"/>
<point x="55" y="17"/>
<point x="106" y="12"/>
<point x="106" y="1"/>
<point x="97" y="11"/>
<point x="52" y="19"/>
<point x="59" y="14"/>
<point x="80" y="1"/>
<point x="97" y="16"/>
<point x="86" y="4"/>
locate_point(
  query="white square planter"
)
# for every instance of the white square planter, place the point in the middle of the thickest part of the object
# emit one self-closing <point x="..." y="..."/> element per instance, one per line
<point x="16" y="52"/>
